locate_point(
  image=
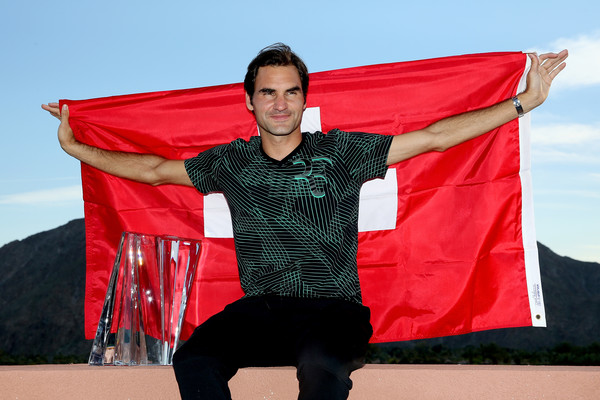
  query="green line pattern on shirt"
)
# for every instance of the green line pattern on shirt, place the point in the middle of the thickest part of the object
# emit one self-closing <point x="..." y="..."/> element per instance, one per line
<point x="295" y="222"/>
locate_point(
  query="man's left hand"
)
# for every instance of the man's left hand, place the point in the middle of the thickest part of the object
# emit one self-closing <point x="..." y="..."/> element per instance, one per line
<point x="544" y="69"/>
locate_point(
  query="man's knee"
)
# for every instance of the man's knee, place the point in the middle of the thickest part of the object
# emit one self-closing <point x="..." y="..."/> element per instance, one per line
<point x="185" y="363"/>
<point x="183" y="359"/>
<point x="202" y="377"/>
<point x="318" y="380"/>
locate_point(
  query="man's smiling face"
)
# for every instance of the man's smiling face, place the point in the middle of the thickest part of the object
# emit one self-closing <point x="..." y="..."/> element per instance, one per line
<point x="278" y="101"/>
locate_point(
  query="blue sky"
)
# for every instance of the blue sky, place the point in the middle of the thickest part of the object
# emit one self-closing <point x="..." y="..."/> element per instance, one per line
<point x="84" y="49"/>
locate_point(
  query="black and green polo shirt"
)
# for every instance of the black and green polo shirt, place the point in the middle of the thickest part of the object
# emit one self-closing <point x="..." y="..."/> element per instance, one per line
<point x="295" y="221"/>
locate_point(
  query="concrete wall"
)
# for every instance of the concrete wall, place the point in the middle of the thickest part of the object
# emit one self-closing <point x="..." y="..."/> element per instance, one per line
<point x="380" y="382"/>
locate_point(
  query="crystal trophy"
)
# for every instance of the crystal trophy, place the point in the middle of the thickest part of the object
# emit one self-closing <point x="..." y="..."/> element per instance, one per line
<point x="146" y="300"/>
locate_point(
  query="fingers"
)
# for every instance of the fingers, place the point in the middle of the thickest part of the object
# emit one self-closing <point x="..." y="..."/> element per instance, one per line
<point x="548" y="65"/>
<point x="64" y="114"/>
<point x="53" y="109"/>
<point x="562" y="55"/>
<point x="556" y="70"/>
<point x="65" y="133"/>
<point x="551" y="60"/>
<point x="535" y="65"/>
<point x="535" y="61"/>
<point x="64" y="126"/>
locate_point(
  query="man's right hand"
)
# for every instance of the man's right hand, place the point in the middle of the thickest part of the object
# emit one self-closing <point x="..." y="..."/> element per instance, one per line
<point x="65" y="133"/>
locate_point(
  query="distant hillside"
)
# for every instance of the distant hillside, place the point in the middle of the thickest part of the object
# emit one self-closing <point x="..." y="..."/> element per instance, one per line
<point x="42" y="286"/>
<point x="42" y="283"/>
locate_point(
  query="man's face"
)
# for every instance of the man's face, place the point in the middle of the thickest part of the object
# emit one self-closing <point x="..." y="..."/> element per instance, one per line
<point x="278" y="101"/>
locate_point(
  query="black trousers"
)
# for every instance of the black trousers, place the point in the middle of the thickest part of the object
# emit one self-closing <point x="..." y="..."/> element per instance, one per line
<point x="325" y="339"/>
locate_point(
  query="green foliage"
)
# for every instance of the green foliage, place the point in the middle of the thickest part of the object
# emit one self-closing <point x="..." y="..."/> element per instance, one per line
<point x="33" y="359"/>
<point x="491" y="353"/>
<point x="567" y="354"/>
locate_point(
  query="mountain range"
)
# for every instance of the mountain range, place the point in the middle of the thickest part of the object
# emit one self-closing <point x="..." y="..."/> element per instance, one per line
<point x="42" y="288"/>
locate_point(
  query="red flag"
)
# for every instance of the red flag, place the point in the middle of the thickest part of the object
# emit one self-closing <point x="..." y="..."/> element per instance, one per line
<point x="447" y="244"/>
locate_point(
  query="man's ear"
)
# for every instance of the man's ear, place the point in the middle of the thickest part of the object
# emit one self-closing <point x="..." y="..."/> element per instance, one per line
<point x="249" y="103"/>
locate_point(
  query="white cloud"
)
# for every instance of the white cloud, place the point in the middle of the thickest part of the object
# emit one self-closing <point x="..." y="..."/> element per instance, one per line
<point x="48" y="196"/>
<point x="583" y="61"/>
<point x="590" y="194"/>
<point x="565" y="143"/>
<point x="556" y="156"/>
<point x="559" y="134"/>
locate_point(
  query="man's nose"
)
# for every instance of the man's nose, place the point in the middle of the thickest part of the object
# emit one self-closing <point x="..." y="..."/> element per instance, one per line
<point x="280" y="103"/>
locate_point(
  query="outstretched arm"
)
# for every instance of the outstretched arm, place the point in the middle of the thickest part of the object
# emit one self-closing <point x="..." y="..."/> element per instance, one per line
<point x="145" y="168"/>
<point x="454" y="130"/>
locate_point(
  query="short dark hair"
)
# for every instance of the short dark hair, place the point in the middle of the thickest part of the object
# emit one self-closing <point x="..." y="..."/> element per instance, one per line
<point x="277" y="55"/>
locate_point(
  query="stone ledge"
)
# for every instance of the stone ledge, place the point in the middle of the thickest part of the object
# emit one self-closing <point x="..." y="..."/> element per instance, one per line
<point x="380" y="382"/>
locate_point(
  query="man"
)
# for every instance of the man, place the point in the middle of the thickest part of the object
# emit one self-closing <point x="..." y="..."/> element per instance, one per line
<point x="294" y="204"/>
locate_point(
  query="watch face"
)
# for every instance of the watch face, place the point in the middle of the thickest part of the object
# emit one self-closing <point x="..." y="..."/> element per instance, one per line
<point x="517" y="104"/>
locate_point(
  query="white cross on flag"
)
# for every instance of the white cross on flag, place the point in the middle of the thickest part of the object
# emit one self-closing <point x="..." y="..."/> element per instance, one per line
<point x="378" y="198"/>
<point x="446" y="241"/>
